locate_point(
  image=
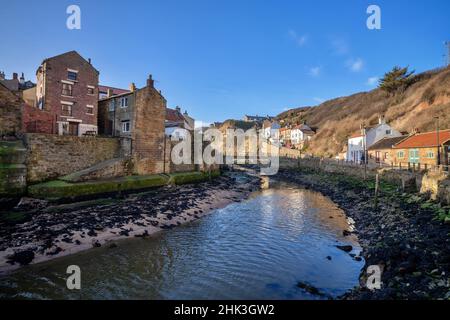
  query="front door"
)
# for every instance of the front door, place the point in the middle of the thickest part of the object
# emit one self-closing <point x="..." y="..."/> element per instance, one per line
<point x="414" y="155"/>
<point x="73" y="128"/>
<point x="378" y="156"/>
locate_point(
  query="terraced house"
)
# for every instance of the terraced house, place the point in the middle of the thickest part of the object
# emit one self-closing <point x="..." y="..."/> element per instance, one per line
<point x="67" y="88"/>
<point x="137" y="115"/>
<point x="429" y="148"/>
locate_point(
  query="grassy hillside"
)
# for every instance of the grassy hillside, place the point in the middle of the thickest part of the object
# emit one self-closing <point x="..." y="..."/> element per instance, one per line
<point x="336" y="119"/>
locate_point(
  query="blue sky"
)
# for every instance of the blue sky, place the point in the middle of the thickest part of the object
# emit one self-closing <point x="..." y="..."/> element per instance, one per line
<point x="222" y="59"/>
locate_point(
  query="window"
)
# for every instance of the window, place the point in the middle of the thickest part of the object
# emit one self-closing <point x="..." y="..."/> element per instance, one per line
<point x="111" y="105"/>
<point x="430" y="155"/>
<point x="66" y="110"/>
<point x="126" y="126"/>
<point x="71" y="75"/>
<point x="124" y="102"/>
<point x="67" y="89"/>
<point x="388" y="131"/>
<point x="400" y="154"/>
<point x="90" y="91"/>
<point x="89" y="109"/>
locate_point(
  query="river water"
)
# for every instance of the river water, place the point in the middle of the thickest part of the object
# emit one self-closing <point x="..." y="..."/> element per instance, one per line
<point x="259" y="248"/>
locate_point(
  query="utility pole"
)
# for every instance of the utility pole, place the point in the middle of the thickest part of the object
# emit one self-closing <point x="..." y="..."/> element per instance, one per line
<point x="365" y="149"/>
<point x="438" y="141"/>
<point x="447" y="53"/>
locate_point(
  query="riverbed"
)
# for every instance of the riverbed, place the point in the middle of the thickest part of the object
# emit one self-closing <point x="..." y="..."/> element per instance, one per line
<point x="259" y="248"/>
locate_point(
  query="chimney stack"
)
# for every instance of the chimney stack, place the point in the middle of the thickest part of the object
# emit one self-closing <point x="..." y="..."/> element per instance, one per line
<point x="132" y="87"/>
<point x="381" y="119"/>
<point x="150" y="82"/>
<point x="22" y="79"/>
<point x="89" y="60"/>
<point x="15" y="76"/>
<point x="110" y="93"/>
<point x="2" y="75"/>
<point x="185" y="113"/>
<point x="178" y="108"/>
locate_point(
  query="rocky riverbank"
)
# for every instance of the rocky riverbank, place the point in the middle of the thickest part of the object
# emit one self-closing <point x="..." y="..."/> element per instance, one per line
<point x="402" y="234"/>
<point x="39" y="232"/>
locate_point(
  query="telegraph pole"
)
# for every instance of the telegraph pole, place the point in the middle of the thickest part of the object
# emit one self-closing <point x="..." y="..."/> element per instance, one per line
<point x="438" y="141"/>
<point x="365" y="149"/>
<point x="447" y="53"/>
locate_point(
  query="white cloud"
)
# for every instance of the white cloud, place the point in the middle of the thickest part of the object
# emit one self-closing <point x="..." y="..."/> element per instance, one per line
<point x="300" y="40"/>
<point x="372" y="81"/>
<point x="340" y="46"/>
<point x="355" y="65"/>
<point x="315" y="71"/>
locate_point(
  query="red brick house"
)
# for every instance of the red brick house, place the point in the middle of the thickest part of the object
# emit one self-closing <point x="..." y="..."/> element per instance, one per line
<point x="67" y="88"/>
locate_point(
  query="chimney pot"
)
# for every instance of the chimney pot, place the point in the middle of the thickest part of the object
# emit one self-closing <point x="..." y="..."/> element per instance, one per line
<point x="150" y="82"/>
<point x="2" y="75"/>
<point x="110" y="93"/>
<point x="89" y="60"/>
<point x="15" y="76"/>
<point x="178" y="108"/>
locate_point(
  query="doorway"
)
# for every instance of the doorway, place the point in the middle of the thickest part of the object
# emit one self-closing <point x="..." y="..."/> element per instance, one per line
<point x="73" y="128"/>
<point x="414" y="155"/>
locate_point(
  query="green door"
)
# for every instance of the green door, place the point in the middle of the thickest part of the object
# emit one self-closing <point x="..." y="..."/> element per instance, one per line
<point x="414" y="155"/>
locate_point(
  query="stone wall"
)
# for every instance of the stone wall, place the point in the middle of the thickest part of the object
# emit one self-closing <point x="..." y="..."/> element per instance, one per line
<point x="170" y="167"/>
<point x="52" y="156"/>
<point x="12" y="171"/>
<point x="11" y="107"/>
<point x="148" y="130"/>
<point x="436" y="184"/>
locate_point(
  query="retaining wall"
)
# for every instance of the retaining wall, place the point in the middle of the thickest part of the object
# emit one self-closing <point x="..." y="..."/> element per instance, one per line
<point x="436" y="184"/>
<point x="51" y="156"/>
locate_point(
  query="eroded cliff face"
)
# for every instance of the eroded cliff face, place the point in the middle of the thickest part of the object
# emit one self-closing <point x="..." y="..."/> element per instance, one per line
<point x="416" y="107"/>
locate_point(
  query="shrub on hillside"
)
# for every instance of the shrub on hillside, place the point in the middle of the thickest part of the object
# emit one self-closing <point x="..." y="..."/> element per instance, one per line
<point x="396" y="80"/>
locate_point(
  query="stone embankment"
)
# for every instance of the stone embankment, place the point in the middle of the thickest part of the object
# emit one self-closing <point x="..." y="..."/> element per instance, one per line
<point x="36" y="231"/>
<point x="406" y="234"/>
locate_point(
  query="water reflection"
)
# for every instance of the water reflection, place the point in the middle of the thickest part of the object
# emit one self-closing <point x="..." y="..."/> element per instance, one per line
<point x="256" y="249"/>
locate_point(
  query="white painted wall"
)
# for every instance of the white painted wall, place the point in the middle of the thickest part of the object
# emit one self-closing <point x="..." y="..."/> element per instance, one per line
<point x="380" y="132"/>
<point x="355" y="146"/>
<point x="355" y="149"/>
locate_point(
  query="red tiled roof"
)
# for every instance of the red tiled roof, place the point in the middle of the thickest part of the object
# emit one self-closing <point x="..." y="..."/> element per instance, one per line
<point x="424" y="140"/>
<point x="174" y="115"/>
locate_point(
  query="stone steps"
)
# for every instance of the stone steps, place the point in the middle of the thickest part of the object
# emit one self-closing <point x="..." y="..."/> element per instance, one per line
<point x="13" y="171"/>
<point x="111" y="168"/>
<point x="12" y="152"/>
